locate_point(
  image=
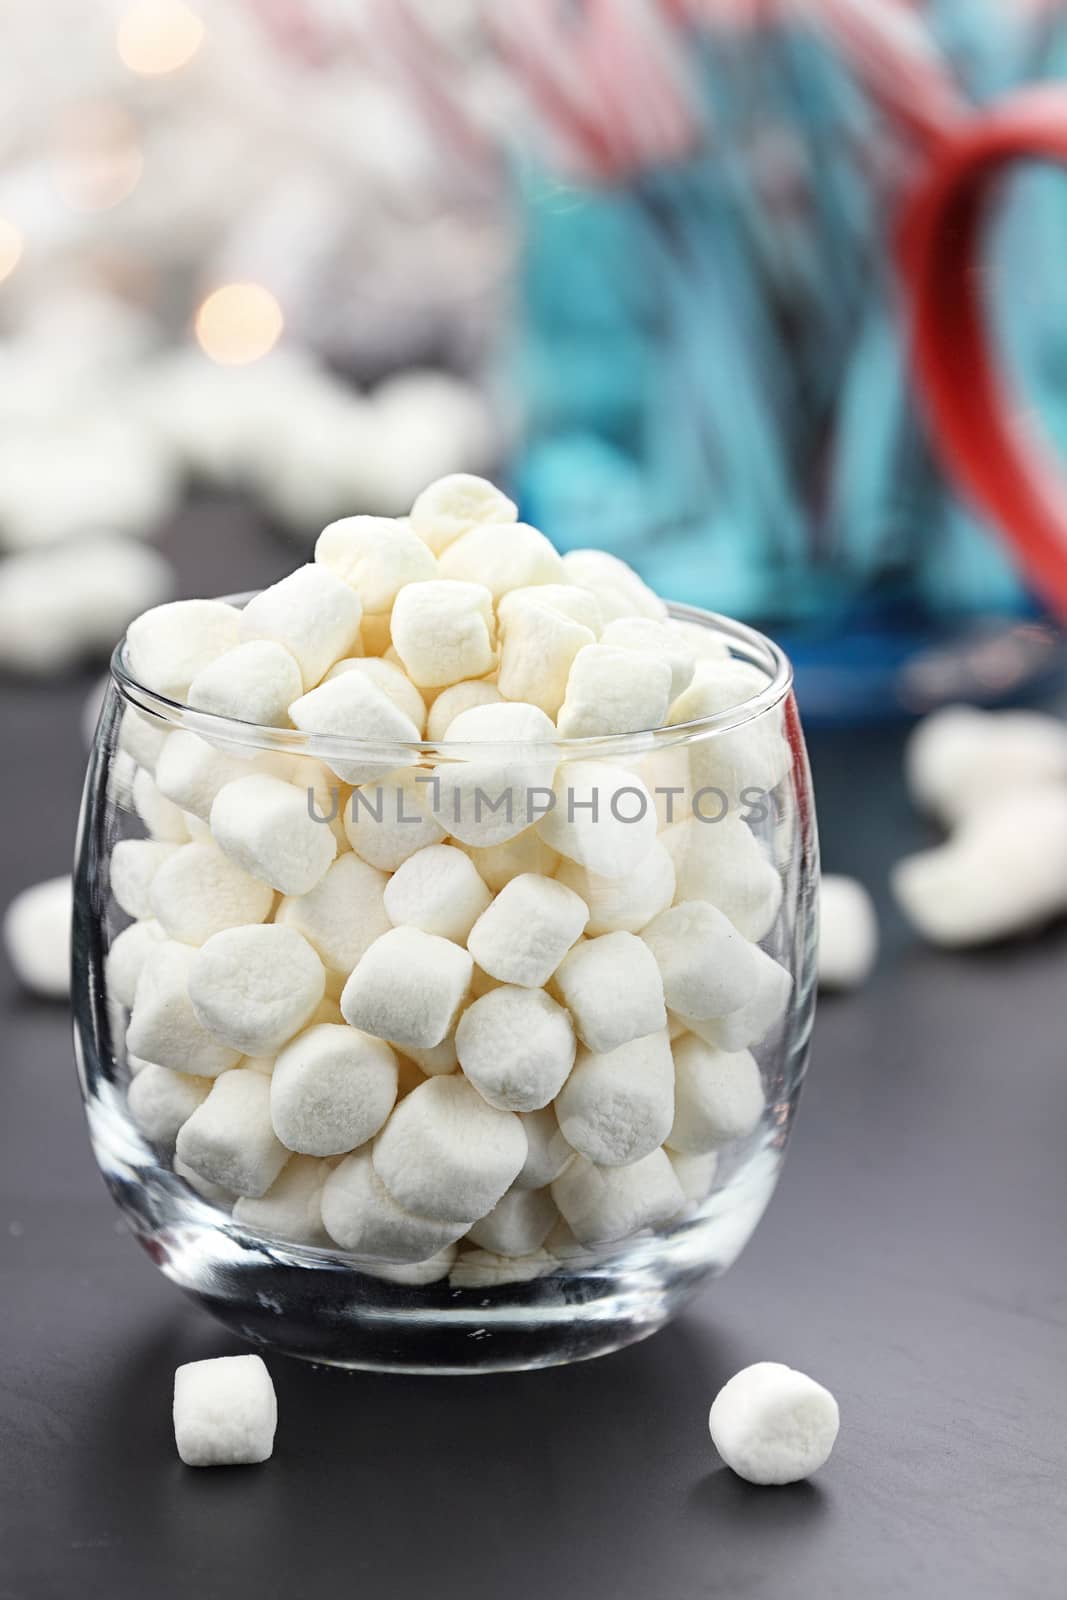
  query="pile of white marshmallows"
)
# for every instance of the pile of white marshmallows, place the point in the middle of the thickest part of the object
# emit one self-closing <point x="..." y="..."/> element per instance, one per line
<point x="374" y="1005"/>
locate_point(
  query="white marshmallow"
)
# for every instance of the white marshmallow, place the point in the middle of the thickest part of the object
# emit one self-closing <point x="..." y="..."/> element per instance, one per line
<point x="547" y="1153"/>
<point x="518" y="1224"/>
<point x="722" y="862"/>
<point x="342" y="916"/>
<point x="191" y="772"/>
<point x="254" y="988"/>
<point x="37" y="937"/>
<point x="605" y="1204"/>
<point x="229" y="1139"/>
<point x="225" y="1412"/>
<point x="134" y="863"/>
<point x="565" y="599"/>
<point x="142" y="736"/>
<point x="604" y="818"/>
<point x="353" y="707"/>
<point x="213" y="1193"/>
<point x="485" y="1269"/>
<point x="434" y="1059"/>
<point x="438" y="890"/>
<point x="361" y="1215"/>
<point x="443" y="632"/>
<point x="696" y="1174"/>
<point x="528" y="929"/>
<point x="448" y="1155"/>
<point x="617" y="1107"/>
<point x="516" y="1046"/>
<point x="848" y="933"/>
<point x="613" y="990"/>
<point x="960" y="758"/>
<point x="703" y="642"/>
<point x="331" y="1090"/>
<point x="619" y="590"/>
<point x="376" y="556"/>
<point x="325" y="796"/>
<point x="408" y="987"/>
<point x="128" y="953"/>
<point x="457" y="698"/>
<point x="502" y="556"/>
<point x="499" y="863"/>
<point x="750" y="1024"/>
<point x="164" y="1027"/>
<point x="163" y="819"/>
<point x="754" y="756"/>
<point x="771" y="1424"/>
<point x="453" y="505"/>
<point x="664" y="640"/>
<point x="487" y="797"/>
<point x="718" y="1096"/>
<point x="538" y="647"/>
<point x="267" y="828"/>
<point x="313" y="613"/>
<point x="623" y="904"/>
<point x="416" y="1274"/>
<point x="161" y="1101"/>
<point x="388" y="820"/>
<point x="613" y="691"/>
<point x="391" y="680"/>
<point x="254" y="682"/>
<point x="197" y="892"/>
<point x="291" y="1209"/>
<point x="167" y="646"/>
<point x="708" y="969"/>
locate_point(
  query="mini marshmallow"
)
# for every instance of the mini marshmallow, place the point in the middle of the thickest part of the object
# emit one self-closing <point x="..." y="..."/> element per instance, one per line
<point x="485" y="1269"/>
<point x="527" y="852"/>
<point x="696" y="1174"/>
<point x="191" y="772"/>
<point x="438" y="890"/>
<point x="613" y="691"/>
<point x="753" y="756"/>
<point x="167" y="646"/>
<point x="225" y="1412"/>
<point x="961" y="758"/>
<point x="446" y="1154"/>
<point x="291" y="1209"/>
<point x="254" y="682"/>
<point x="750" y="1024"/>
<point x="457" y="698"/>
<point x="502" y="556"/>
<point x="565" y="599"/>
<point x="142" y="736"/>
<point x="229" y="1139"/>
<point x="771" y="1424"/>
<point x="703" y="643"/>
<point x="617" y="1107"/>
<point x="517" y="1047"/>
<point x="267" y="828"/>
<point x="645" y="636"/>
<point x="718" y="1096"/>
<point x="253" y="988"/>
<point x="342" y="915"/>
<point x="331" y="1090"/>
<point x="313" y="613"/>
<point x="538" y="647"/>
<point x="524" y="935"/>
<point x="603" y="817"/>
<point x="708" y="970"/>
<point x="164" y="1028"/>
<point x="391" y="680"/>
<point x="435" y="1059"/>
<point x="360" y="1214"/>
<point x="627" y="904"/>
<point x="605" y="1204"/>
<point x="518" y="1224"/>
<point x="408" y="987"/>
<point x="355" y="708"/>
<point x="388" y="820"/>
<point x="161" y="1101"/>
<point x="128" y="953"/>
<point x="547" y="1152"/>
<point x="612" y="987"/>
<point x="213" y="1193"/>
<point x="487" y="797"/>
<point x="620" y="592"/>
<point x="163" y="819"/>
<point x="723" y="863"/>
<point x="415" y="1274"/>
<point x="443" y="632"/>
<point x="454" y="505"/>
<point x="376" y="556"/>
<point x="325" y="796"/>
<point x="198" y="892"/>
<point x="848" y="933"/>
<point x="37" y="937"/>
<point x="134" y="863"/>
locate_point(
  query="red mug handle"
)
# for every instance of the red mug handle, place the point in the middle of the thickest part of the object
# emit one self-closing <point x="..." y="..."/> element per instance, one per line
<point x="992" y="451"/>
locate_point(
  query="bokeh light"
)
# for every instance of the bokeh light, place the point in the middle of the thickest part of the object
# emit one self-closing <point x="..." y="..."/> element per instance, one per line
<point x="238" y="323"/>
<point x="11" y="243"/>
<point x="155" y="37"/>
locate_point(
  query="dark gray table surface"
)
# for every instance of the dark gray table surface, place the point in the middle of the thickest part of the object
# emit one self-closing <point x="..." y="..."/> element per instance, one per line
<point x="913" y="1259"/>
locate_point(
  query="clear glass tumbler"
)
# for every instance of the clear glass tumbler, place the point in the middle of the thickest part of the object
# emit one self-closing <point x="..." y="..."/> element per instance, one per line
<point x="626" y="1239"/>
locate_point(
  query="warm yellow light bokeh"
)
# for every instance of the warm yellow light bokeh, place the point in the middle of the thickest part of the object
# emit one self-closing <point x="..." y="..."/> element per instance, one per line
<point x="10" y="248"/>
<point x="155" y="37"/>
<point x="238" y="323"/>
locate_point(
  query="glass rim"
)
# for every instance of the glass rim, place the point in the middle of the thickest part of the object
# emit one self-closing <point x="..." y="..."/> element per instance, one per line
<point x="397" y="753"/>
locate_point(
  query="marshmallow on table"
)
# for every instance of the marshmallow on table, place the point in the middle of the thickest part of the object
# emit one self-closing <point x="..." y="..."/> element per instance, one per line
<point x="618" y="1106"/>
<point x="620" y="592"/>
<point x="603" y="817"/>
<point x="961" y="758"/>
<point x="718" y="1096"/>
<point x="456" y="698"/>
<point x="292" y="1207"/>
<point x="518" y="1224"/>
<point x="253" y="988"/>
<point x="538" y="647"/>
<point x="498" y="863"/>
<point x="848" y="933"/>
<point x="547" y="1152"/>
<point x="267" y="827"/>
<point x="167" y="646"/>
<point x="753" y="756"/>
<point x="708" y="969"/>
<point x="128" y="953"/>
<point x="454" y="505"/>
<point x="750" y="1024"/>
<point x="361" y="1215"/>
<point x="408" y="987"/>
<point x="388" y="820"/>
<point x="225" y="1412"/>
<point x="438" y="890"/>
<point x="723" y="863"/>
<point x="376" y="556"/>
<point x="612" y="691"/>
<point x="164" y="1028"/>
<point x="229" y="1139"/>
<point x="161" y="1101"/>
<point x="391" y="680"/>
<point x="37" y="937"/>
<point x="190" y="771"/>
<point x="645" y="636"/>
<point x="254" y="682"/>
<point x="627" y="904"/>
<point x="313" y="613"/>
<point x="605" y="1204"/>
<point x="487" y="796"/>
<point x="342" y="915"/>
<point x="331" y="1090"/>
<point x="353" y="707"/>
<point x="516" y="1046"/>
<point x="522" y="937"/>
<point x="198" y="891"/>
<point x="771" y="1424"/>
<point x="612" y="987"/>
<point x="443" y="632"/>
<point x="502" y="556"/>
<point x="448" y="1155"/>
<point x="134" y="863"/>
<point x="696" y="1174"/>
<point x="163" y="819"/>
